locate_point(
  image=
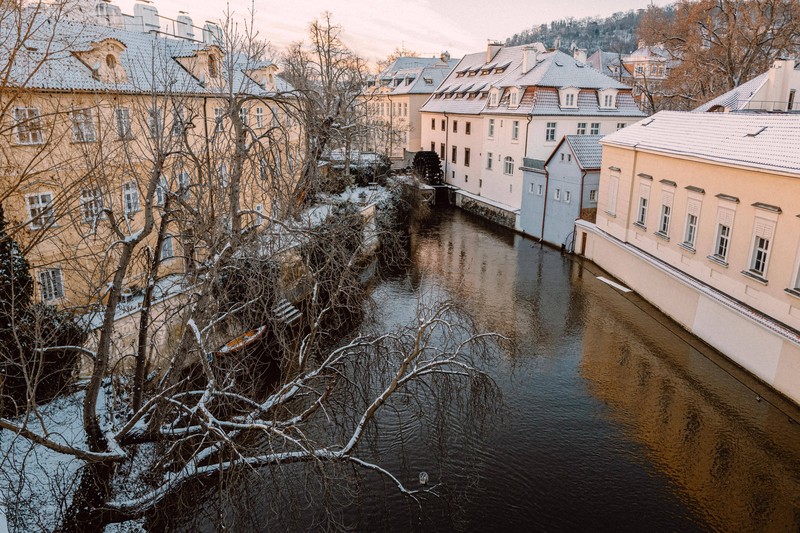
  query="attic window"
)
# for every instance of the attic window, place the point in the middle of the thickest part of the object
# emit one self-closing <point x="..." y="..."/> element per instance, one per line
<point x="111" y="61"/>
<point x="755" y="131"/>
<point x="558" y="63"/>
<point x="500" y="70"/>
<point x="428" y="81"/>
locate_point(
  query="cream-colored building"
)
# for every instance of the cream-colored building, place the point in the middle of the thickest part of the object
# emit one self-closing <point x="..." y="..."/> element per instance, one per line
<point x="504" y="104"/>
<point x="393" y="99"/>
<point x="93" y="111"/>
<point x="774" y="90"/>
<point x="698" y="213"/>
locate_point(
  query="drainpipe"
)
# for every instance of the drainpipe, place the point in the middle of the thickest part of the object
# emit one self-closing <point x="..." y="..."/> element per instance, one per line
<point x="544" y="206"/>
<point x="527" y="128"/>
<point x="630" y="194"/>
<point x="446" y="142"/>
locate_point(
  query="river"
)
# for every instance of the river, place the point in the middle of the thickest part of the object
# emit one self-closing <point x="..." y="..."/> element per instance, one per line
<point x="613" y="418"/>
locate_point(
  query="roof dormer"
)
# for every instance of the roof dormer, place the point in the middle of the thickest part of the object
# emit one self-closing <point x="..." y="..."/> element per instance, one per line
<point x="104" y="59"/>
<point x="264" y="76"/>
<point x="607" y="98"/>
<point x="514" y="97"/>
<point x="568" y="97"/>
<point x="205" y="65"/>
<point x="494" y="97"/>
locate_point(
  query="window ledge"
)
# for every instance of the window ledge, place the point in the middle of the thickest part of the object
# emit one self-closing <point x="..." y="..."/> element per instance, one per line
<point x="718" y="260"/>
<point x="609" y="213"/>
<point x="640" y="226"/>
<point x="661" y="235"/>
<point x="756" y="277"/>
<point x="688" y="247"/>
<point x="794" y="292"/>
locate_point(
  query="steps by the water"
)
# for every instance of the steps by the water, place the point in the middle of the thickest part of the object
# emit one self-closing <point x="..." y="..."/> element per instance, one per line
<point x="286" y="312"/>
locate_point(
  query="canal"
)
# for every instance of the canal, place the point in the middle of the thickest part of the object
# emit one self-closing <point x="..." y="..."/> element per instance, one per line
<point x="612" y="417"/>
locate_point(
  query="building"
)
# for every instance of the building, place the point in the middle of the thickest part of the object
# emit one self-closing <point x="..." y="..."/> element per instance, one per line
<point x="610" y="64"/>
<point x="774" y="90"/>
<point x="561" y="190"/>
<point x="698" y="213"/>
<point x="507" y="103"/>
<point x="648" y="67"/>
<point x="393" y="99"/>
<point x="105" y="123"/>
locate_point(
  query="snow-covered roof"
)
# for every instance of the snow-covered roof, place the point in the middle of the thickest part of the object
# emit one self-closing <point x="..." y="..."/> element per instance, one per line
<point x="414" y="75"/>
<point x="758" y="140"/>
<point x="587" y="149"/>
<point x="149" y="60"/>
<point x="553" y="70"/>
<point x="737" y="98"/>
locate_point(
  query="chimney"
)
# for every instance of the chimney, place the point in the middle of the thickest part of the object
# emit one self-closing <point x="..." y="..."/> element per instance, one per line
<point x="580" y="55"/>
<point x="641" y="44"/>
<point x="146" y="14"/>
<point x="212" y="34"/>
<point x="184" y="27"/>
<point x="492" y="50"/>
<point x="445" y="56"/>
<point x="530" y="56"/>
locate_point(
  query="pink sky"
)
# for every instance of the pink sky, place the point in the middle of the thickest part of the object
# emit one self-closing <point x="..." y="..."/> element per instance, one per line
<point x="374" y="28"/>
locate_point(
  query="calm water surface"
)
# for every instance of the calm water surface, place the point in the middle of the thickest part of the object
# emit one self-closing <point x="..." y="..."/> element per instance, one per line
<point x="613" y="418"/>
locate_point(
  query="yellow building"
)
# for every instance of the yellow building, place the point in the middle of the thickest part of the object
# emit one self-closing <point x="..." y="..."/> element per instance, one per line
<point x="393" y="100"/>
<point x="698" y="212"/>
<point x="101" y="122"/>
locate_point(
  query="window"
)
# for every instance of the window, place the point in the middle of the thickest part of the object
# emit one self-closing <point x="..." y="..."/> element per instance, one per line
<point x="154" y="123"/>
<point x="243" y="112"/>
<point x="508" y="165"/>
<point x="758" y="262"/>
<point x="515" y="130"/>
<point x="28" y="125"/>
<point x="663" y="226"/>
<point x="480" y="183"/>
<point x="581" y="128"/>
<point x="593" y="195"/>
<point x="433" y="146"/>
<point x="213" y="70"/>
<point x="608" y="100"/>
<point x="82" y="126"/>
<point x="513" y="99"/>
<point x="433" y="123"/>
<point x="531" y="188"/>
<point x="259" y="117"/>
<point x="466" y="178"/>
<point x="184" y="182"/>
<point x="219" y="117"/>
<point x="454" y="154"/>
<point x="567" y="196"/>
<point x="557" y="195"/>
<point x="50" y="284"/>
<point x="493" y="98"/>
<point x="723" y="242"/>
<point x="91" y="204"/>
<point x="177" y="121"/>
<point x="441" y="151"/>
<point x="130" y="198"/>
<point x="468" y="128"/>
<point x="455" y="126"/>
<point x="40" y="209"/>
<point x="222" y="175"/>
<point x="691" y="230"/>
<point x="466" y="157"/>
<point x="111" y="61"/>
<point x="790" y="105"/>
<point x="489" y="158"/>
<point x="539" y="189"/>
<point x="569" y="100"/>
<point x="405" y="110"/>
<point x="167" y="251"/>
<point x="550" y="132"/>
<point x="491" y="127"/>
<point x="595" y="128"/>
<point x="259" y="214"/>
<point x="620" y="125"/>
<point x="613" y="189"/>
<point x="443" y="125"/>
<point x="122" y="119"/>
<point x="161" y="191"/>
<point x="641" y="217"/>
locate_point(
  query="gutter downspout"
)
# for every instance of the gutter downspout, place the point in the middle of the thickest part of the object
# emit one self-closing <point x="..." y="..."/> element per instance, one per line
<point x="446" y="142"/>
<point x="544" y="206"/>
<point x="630" y="194"/>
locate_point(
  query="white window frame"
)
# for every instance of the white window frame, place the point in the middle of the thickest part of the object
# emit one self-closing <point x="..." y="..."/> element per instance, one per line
<point x="154" y="123"/>
<point x="557" y="195"/>
<point x="641" y="211"/>
<point x="581" y="130"/>
<point x="177" y="121"/>
<point x="594" y="129"/>
<point x="28" y="126"/>
<point x="82" y="123"/>
<point x="491" y="128"/>
<point x="722" y="242"/>
<point x="122" y="122"/>
<point x="40" y="210"/>
<point x="51" y="284"/>
<point x="92" y="204"/>
<point x="761" y="247"/>
<point x="130" y="198"/>
<point x="167" y="251"/>
<point x="550" y="131"/>
<point x="259" y="117"/>
<point x="515" y="130"/>
<point x="489" y="160"/>
<point x="161" y="190"/>
<point x="219" y="120"/>
<point x="690" y="232"/>
<point x="664" y="219"/>
<point x="567" y="196"/>
<point x="508" y="165"/>
<point x="593" y="195"/>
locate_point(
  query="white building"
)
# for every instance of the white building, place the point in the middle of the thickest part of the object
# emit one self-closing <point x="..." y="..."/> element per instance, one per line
<point x="501" y="105"/>
<point x="774" y="90"/>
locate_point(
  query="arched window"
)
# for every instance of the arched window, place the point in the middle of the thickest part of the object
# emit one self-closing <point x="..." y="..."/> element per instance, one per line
<point x="111" y="61"/>
<point x="212" y="66"/>
<point x="508" y="166"/>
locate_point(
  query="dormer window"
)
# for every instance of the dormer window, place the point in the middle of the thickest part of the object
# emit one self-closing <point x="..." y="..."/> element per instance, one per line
<point x="513" y="99"/>
<point x="493" y="97"/>
<point x="569" y="97"/>
<point x="607" y="98"/>
<point x="213" y="70"/>
<point x="111" y="61"/>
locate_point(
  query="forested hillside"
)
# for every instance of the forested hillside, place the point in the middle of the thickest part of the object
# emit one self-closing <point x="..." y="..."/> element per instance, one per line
<point x="614" y="33"/>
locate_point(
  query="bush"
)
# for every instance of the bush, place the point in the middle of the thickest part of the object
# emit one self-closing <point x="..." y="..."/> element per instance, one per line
<point x="428" y="167"/>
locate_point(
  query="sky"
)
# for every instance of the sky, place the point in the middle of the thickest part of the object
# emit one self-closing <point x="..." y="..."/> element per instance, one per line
<point x="375" y="28"/>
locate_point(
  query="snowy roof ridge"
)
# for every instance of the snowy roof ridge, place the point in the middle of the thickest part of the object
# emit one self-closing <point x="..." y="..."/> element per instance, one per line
<point x="587" y="149"/>
<point x="756" y="140"/>
<point x="738" y="97"/>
